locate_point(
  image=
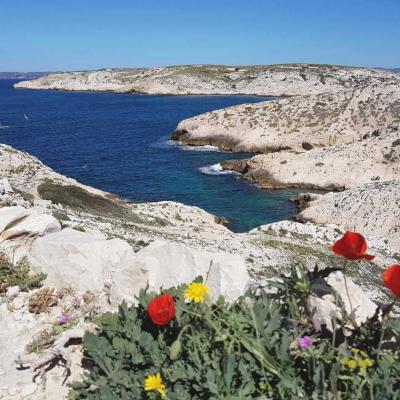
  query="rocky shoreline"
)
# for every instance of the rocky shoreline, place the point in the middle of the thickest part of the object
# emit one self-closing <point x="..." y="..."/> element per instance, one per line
<point x="263" y="80"/>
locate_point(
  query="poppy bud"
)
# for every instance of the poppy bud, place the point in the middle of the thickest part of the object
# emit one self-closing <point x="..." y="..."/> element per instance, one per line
<point x="175" y="349"/>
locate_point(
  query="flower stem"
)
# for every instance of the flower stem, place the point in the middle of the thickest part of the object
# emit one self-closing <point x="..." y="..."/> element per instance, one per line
<point x="385" y="315"/>
<point x="347" y="288"/>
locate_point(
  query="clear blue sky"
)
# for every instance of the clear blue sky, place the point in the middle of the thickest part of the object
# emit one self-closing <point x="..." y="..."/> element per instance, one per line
<point x="44" y="35"/>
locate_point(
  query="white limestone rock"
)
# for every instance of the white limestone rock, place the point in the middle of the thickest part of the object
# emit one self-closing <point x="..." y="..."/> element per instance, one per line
<point x="5" y="187"/>
<point x="80" y="260"/>
<point x="372" y="209"/>
<point x="341" y="166"/>
<point x="18" y="221"/>
<point x="360" y="307"/>
<point x="166" y="264"/>
<point x="297" y="123"/>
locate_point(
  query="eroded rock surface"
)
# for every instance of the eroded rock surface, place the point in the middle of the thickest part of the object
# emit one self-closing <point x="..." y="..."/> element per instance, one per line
<point x="370" y="209"/>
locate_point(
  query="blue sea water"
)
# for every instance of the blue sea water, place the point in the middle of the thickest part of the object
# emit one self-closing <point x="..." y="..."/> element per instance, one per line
<point x="120" y="143"/>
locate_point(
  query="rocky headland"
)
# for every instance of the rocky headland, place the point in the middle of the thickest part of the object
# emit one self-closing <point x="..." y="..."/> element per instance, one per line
<point x="263" y="80"/>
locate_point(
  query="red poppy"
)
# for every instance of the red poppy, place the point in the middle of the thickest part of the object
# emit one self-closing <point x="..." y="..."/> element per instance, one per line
<point x="352" y="246"/>
<point x="391" y="279"/>
<point x="162" y="309"/>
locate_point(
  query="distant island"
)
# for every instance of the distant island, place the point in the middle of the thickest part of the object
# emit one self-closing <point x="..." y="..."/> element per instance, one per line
<point x="202" y="79"/>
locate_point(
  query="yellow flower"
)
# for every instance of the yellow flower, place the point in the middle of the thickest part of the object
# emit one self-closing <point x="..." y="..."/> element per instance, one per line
<point x="369" y="362"/>
<point x="355" y="351"/>
<point x="196" y="292"/>
<point x="352" y="364"/>
<point x="154" y="382"/>
<point x="345" y="360"/>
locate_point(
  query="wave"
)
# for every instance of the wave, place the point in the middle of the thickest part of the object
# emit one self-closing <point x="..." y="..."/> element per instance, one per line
<point x="4" y="126"/>
<point x="199" y="148"/>
<point x="215" y="169"/>
<point x="166" y="143"/>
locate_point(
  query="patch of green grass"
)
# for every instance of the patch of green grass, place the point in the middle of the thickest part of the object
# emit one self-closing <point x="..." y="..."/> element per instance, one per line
<point x="61" y="216"/>
<point x="81" y="200"/>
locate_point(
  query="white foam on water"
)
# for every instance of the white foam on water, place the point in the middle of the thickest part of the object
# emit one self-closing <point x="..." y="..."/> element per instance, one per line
<point x="199" y="148"/>
<point x="214" y="169"/>
<point x="3" y="126"/>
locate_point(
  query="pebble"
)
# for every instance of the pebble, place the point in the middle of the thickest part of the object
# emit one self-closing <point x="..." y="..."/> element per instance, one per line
<point x="13" y="390"/>
<point x="12" y="291"/>
<point x="28" y="389"/>
<point x="18" y="303"/>
<point x="17" y="317"/>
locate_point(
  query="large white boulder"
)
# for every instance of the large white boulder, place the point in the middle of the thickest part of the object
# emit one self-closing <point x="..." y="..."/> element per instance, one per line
<point x="79" y="260"/>
<point x="166" y="264"/>
<point x="19" y="221"/>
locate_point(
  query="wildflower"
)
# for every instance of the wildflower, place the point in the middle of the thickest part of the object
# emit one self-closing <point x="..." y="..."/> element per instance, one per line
<point x="63" y="319"/>
<point x="360" y="360"/>
<point x="154" y="382"/>
<point x="196" y="292"/>
<point x="305" y="342"/>
<point x="365" y="363"/>
<point x="391" y="279"/>
<point x="162" y="309"/>
<point x="352" y="246"/>
<point x="352" y="364"/>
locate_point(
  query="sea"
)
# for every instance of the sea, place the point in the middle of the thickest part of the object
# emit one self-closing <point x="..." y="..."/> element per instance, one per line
<point x="121" y="143"/>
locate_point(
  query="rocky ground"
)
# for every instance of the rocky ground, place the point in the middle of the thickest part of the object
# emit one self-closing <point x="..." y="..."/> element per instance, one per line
<point x="267" y="80"/>
<point x="97" y="250"/>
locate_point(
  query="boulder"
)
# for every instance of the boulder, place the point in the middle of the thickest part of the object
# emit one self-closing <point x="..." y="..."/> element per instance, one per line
<point x="18" y="221"/>
<point x="79" y="260"/>
<point x="323" y="308"/>
<point x="166" y="264"/>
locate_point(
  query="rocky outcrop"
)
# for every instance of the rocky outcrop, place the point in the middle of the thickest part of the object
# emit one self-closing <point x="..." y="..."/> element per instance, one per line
<point x="298" y="123"/>
<point x="338" y="167"/>
<point x="268" y="80"/>
<point x="369" y="209"/>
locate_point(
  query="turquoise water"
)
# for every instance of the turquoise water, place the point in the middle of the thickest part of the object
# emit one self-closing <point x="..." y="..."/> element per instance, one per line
<point x="120" y="143"/>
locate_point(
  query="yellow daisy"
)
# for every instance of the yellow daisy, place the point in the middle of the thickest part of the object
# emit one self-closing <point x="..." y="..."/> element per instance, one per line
<point x="196" y="292"/>
<point x="154" y="382"/>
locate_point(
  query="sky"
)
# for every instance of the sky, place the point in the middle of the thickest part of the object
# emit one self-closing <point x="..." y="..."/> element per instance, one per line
<point x="56" y="35"/>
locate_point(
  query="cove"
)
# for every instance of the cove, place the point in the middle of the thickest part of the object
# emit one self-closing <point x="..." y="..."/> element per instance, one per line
<point x="120" y="143"/>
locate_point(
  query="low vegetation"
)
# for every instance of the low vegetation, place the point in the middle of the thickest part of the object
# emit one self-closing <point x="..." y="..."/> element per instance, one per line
<point x="18" y="275"/>
<point x="180" y="345"/>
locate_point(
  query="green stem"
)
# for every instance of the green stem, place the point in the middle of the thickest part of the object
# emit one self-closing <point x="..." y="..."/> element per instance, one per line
<point x="384" y="328"/>
<point x="347" y="288"/>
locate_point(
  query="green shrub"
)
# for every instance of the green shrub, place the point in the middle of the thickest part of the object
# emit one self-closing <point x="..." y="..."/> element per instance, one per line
<point x="244" y="350"/>
<point x="18" y="275"/>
